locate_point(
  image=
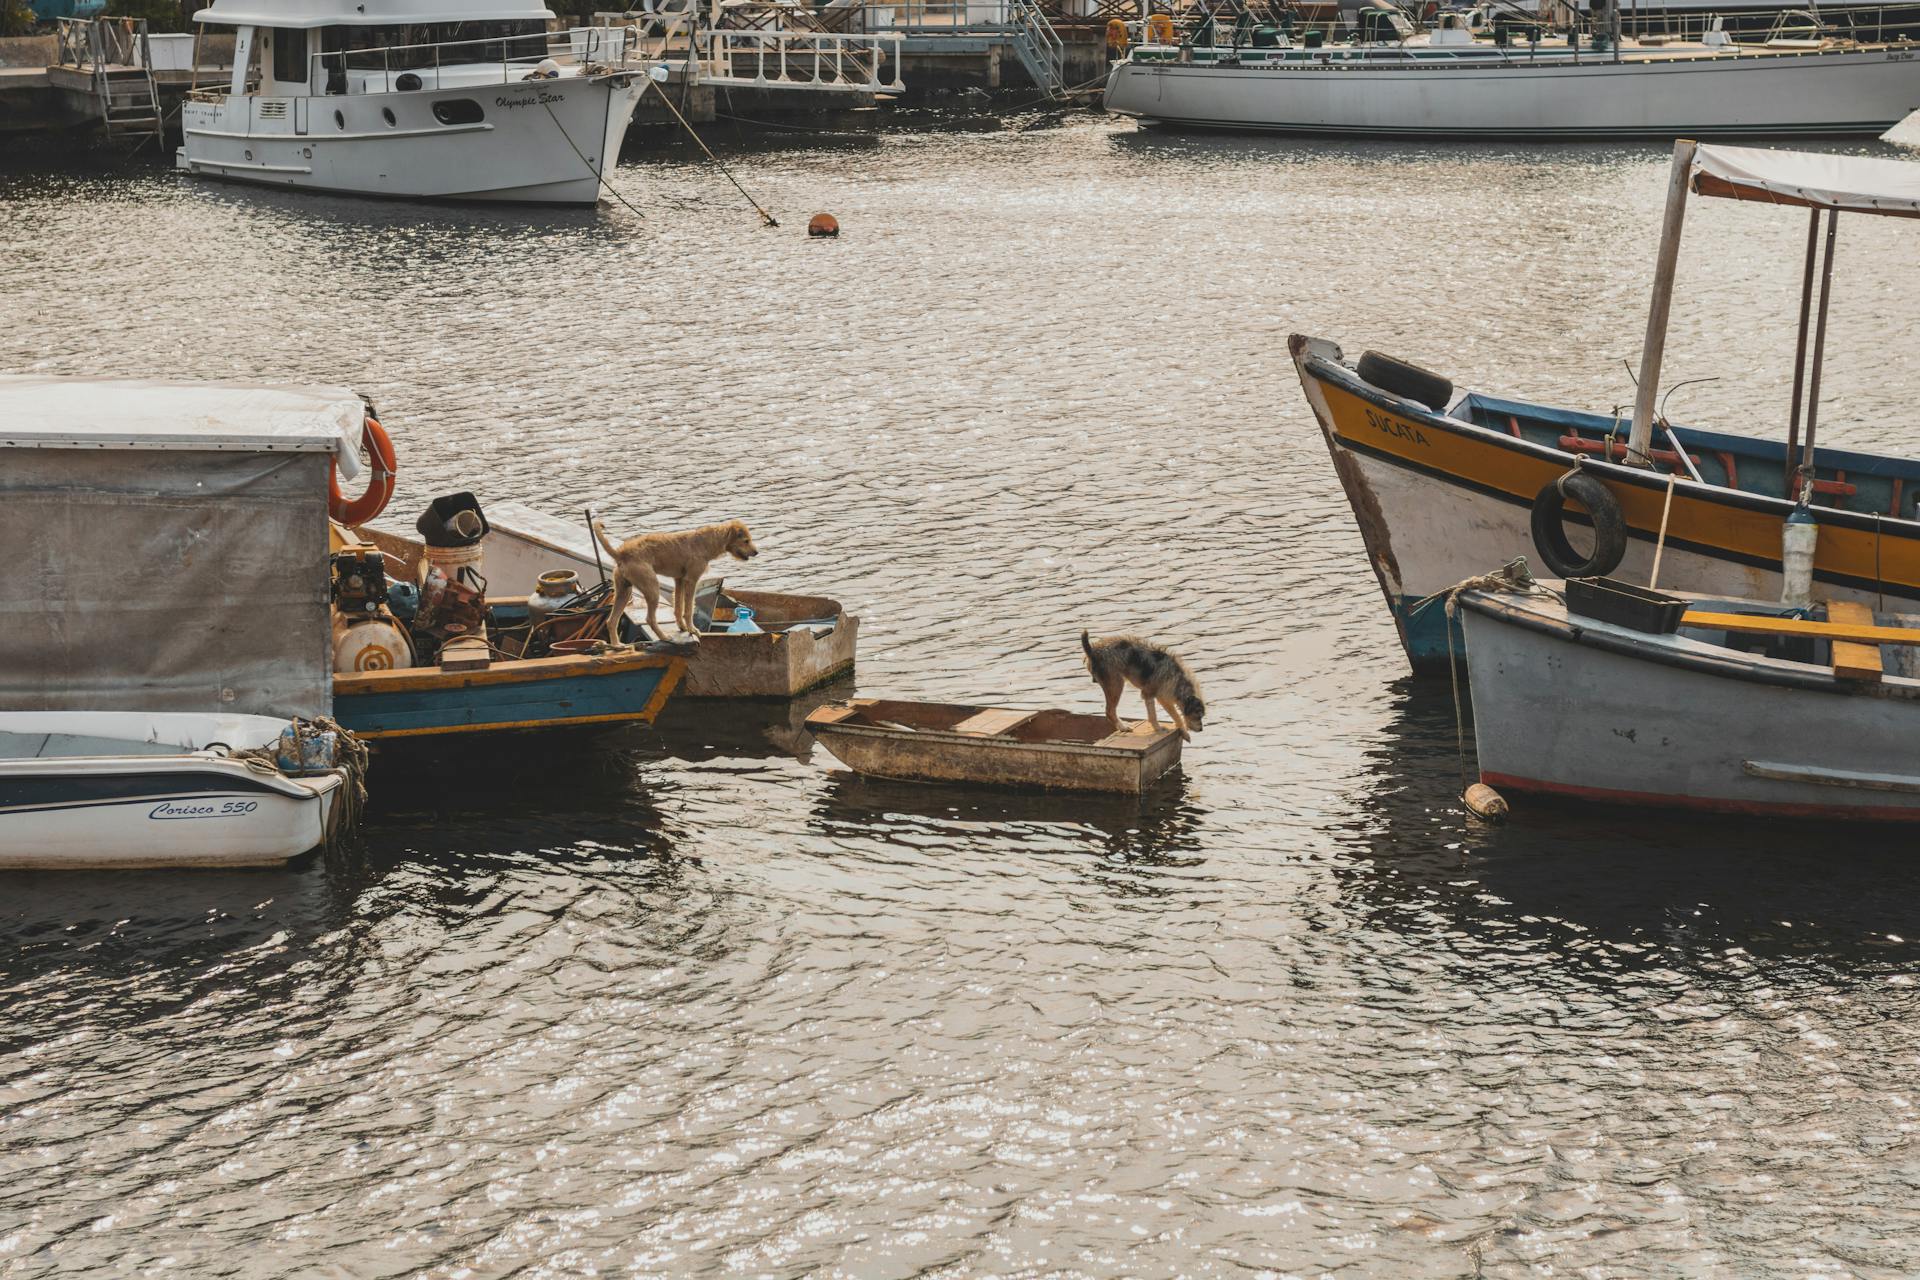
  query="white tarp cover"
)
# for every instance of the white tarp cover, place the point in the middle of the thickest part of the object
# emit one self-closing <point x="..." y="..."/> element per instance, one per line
<point x="1858" y="184"/>
<point x="46" y="412"/>
<point x="175" y="579"/>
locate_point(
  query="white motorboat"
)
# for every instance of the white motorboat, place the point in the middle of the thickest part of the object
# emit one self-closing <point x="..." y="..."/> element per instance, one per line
<point x="424" y="99"/>
<point x="111" y="789"/>
<point x="1450" y="85"/>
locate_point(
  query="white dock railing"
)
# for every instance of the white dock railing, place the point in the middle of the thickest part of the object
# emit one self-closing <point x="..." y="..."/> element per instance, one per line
<point x="799" y="59"/>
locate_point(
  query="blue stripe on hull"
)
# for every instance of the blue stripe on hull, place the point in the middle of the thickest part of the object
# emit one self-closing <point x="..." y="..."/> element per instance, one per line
<point x="1425" y="635"/>
<point x="531" y="704"/>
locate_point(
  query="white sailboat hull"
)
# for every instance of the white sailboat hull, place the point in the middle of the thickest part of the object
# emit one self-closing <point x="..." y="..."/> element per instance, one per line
<point x="544" y="142"/>
<point x="1838" y="92"/>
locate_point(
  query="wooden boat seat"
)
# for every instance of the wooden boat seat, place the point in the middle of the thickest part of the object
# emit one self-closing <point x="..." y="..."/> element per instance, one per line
<point x="1852" y="660"/>
<point x="994" y="722"/>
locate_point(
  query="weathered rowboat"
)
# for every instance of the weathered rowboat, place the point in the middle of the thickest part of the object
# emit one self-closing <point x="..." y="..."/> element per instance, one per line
<point x="1748" y="707"/>
<point x="804" y="640"/>
<point x="993" y="746"/>
<point x="1444" y="484"/>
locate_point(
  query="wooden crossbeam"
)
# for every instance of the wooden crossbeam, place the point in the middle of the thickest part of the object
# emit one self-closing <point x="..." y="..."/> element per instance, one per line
<point x="1853" y="661"/>
<point x="1749" y="624"/>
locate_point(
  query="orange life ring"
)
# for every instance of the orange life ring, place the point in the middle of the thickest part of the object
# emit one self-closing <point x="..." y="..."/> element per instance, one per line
<point x="1116" y="34"/>
<point x="373" y="438"/>
<point x="1160" y="29"/>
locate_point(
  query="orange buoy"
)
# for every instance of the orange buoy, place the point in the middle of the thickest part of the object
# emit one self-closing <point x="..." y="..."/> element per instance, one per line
<point x="373" y="438"/>
<point x="824" y="225"/>
<point x="1117" y="35"/>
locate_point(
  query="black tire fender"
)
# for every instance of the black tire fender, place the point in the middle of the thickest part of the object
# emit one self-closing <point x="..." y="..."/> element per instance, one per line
<point x="1550" y="533"/>
<point x="1408" y="381"/>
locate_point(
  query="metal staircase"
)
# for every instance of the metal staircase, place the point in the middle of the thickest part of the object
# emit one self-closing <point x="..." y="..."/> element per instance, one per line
<point x="115" y="54"/>
<point x="1039" y="47"/>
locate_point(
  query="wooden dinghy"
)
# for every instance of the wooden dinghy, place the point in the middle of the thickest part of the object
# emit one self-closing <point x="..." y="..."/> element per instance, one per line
<point x="993" y="746"/>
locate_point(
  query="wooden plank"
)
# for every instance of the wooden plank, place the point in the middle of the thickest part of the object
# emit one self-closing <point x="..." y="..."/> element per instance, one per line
<point x="1751" y="625"/>
<point x="994" y="721"/>
<point x="1853" y="661"/>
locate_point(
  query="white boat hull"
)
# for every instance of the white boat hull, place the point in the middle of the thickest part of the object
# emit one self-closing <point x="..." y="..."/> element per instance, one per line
<point x="1839" y="93"/>
<point x="544" y="142"/>
<point x="151" y="791"/>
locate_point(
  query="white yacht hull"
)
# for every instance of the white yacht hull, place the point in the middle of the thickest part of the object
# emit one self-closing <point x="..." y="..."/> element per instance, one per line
<point x="130" y="791"/>
<point x="542" y="142"/>
<point x="1838" y="92"/>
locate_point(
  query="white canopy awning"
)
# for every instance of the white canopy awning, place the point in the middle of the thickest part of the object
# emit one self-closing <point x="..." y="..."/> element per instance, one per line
<point x="45" y="412"/>
<point x="367" y="13"/>
<point x="1854" y="184"/>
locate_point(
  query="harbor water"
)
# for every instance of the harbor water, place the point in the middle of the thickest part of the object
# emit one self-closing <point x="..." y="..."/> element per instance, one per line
<point x="702" y="1003"/>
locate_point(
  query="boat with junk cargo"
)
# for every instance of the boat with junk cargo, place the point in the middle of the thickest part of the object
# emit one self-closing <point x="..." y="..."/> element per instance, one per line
<point x="163" y="623"/>
<point x="1444" y="482"/>
<point x="1522" y="83"/>
<point x="994" y="746"/>
<point x="426" y="652"/>
<point x="752" y="644"/>
<point x="1598" y="690"/>
<point x="425" y="99"/>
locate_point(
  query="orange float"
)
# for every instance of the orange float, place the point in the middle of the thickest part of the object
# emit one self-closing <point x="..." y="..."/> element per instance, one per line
<point x="373" y="438"/>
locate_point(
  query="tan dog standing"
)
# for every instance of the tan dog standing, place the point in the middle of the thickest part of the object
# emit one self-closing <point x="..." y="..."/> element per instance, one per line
<point x="642" y="561"/>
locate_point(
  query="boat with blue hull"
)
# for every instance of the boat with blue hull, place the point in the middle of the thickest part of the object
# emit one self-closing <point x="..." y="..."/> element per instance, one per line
<point x="562" y="692"/>
<point x="1444" y="482"/>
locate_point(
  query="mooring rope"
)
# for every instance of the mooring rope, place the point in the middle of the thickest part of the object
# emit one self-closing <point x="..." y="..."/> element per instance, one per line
<point x="600" y="173"/>
<point x="351" y="756"/>
<point x="1511" y="578"/>
<point x="765" y="217"/>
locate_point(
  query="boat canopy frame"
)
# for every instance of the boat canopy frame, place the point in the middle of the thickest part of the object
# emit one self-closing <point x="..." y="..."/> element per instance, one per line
<point x="1820" y="184"/>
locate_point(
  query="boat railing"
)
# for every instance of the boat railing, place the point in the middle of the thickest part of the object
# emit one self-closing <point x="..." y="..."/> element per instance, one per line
<point x="516" y="57"/>
<point x="798" y="58"/>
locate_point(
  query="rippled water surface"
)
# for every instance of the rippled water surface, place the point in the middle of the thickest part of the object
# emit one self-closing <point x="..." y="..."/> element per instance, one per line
<point x="703" y="1003"/>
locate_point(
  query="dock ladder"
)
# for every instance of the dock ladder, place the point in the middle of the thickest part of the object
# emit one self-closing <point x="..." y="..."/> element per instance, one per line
<point x="1039" y="47"/>
<point x="116" y="55"/>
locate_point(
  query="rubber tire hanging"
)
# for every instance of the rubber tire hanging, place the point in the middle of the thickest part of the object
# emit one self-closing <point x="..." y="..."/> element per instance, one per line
<point x="1409" y="381"/>
<point x="1550" y="532"/>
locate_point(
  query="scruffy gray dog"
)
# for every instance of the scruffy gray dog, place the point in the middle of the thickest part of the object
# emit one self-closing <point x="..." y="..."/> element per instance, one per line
<point x="1163" y="680"/>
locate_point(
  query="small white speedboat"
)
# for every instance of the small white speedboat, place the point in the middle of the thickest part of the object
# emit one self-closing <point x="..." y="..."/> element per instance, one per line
<point x="112" y="789"/>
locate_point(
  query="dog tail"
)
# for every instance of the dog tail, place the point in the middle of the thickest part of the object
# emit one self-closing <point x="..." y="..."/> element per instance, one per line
<point x="1086" y="644"/>
<point x="601" y="534"/>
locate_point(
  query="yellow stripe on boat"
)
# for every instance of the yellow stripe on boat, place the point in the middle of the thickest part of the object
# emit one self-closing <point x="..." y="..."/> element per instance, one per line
<point x="1701" y="515"/>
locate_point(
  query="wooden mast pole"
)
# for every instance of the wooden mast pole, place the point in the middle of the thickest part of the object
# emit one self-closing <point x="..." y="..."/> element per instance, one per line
<point x="1819" y="347"/>
<point x="1640" y="440"/>
<point x="1800" y="350"/>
